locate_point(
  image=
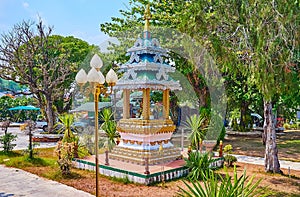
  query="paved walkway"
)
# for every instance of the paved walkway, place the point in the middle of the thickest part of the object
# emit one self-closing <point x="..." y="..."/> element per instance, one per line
<point x="16" y="183"/>
<point x="22" y="140"/>
<point x="260" y="161"/>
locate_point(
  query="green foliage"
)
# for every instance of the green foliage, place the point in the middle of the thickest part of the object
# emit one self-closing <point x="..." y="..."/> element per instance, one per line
<point x="228" y="149"/>
<point x="222" y="135"/>
<point x="7" y="140"/>
<point x="196" y="124"/>
<point x="65" y="153"/>
<point x="286" y="126"/>
<point x="7" y="102"/>
<point x="110" y="127"/>
<point x="65" y="126"/>
<point x="219" y="186"/>
<point x="125" y="180"/>
<point x="82" y="151"/>
<point x="198" y="164"/>
<point x="46" y="63"/>
<point x="229" y="159"/>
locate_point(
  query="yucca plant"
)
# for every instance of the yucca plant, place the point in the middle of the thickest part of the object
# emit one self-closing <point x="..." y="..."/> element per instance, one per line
<point x="198" y="164"/>
<point x="110" y="127"/>
<point x="218" y="186"/>
<point x="65" y="126"/>
<point x="197" y="125"/>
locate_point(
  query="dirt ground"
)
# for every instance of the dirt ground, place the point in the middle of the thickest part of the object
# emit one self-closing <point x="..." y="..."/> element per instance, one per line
<point x="280" y="184"/>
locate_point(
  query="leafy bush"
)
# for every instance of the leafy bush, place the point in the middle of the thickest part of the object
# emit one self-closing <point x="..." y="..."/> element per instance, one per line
<point x="229" y="159"/>
<point x="228" y="149"/>
<point x="65" y="152"/>
<point x="286" y="125"/>
<point x="198" y="165"/>
<point x="7" y="140"/>
<point x="217" y="186"/>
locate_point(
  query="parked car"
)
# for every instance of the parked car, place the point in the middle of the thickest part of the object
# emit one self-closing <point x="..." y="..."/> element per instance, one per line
<point x="257" y="119"/>
<point x="41" y="124"/>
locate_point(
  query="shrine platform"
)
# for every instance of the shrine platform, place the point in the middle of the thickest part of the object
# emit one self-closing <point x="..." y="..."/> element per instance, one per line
<point x="136" y="173"/>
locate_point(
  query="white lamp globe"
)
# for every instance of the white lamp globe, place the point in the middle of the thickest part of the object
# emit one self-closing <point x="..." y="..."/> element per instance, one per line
<point x="111" y="77"/>
<point x="93" y="76"/>
<point x="81" y="77"/>
<point x="96" y="62"/>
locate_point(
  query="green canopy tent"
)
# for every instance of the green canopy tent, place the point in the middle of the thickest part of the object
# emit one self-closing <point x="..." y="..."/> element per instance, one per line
<point x="21" y="109"/>
<point x="28" y="107"/>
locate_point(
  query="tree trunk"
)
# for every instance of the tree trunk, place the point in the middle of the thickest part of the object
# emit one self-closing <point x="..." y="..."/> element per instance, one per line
<point x="50" y="113"/>
<point x="244" y="116"/>
<point x="271" y="152"/>
<point x="200" y="88"/>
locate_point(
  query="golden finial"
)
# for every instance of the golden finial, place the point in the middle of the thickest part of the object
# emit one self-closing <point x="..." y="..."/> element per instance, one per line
<point x="147" y="17"/>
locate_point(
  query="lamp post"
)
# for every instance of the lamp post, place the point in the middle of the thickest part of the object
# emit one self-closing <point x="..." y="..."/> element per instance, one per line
<point x="96" y="80"/>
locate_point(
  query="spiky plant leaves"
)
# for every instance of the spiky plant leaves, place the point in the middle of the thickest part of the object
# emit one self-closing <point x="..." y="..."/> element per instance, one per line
<point x="217" y="186"/>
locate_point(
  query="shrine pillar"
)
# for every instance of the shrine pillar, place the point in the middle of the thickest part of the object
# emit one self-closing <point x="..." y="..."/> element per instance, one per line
<point x="146" y="104"/>
<point x="166" y="103"/>
<point x="126" y="103"/>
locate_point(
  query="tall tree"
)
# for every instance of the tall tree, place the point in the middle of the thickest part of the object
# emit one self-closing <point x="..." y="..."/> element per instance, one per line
<point x="30" y="56"/>
<point x="259" y="39"/>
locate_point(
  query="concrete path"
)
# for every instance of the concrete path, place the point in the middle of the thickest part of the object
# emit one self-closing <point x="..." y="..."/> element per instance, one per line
<point x="16" y="183"/>
<point x="261" y="160"/>
<point x="22" y="140"/>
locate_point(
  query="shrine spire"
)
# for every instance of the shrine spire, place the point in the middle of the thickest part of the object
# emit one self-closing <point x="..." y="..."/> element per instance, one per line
<point x="147" y="17"/>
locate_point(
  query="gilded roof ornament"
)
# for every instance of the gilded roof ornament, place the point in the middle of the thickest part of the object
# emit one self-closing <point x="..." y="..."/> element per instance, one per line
<point x="147" y="17"/>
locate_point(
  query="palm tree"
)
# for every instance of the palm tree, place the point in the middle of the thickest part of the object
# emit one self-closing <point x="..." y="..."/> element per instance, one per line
<point x="197" y="125"/>
<point x="110" y="127"/>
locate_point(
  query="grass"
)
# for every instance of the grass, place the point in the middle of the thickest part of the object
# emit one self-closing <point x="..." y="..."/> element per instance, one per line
<point x="124" y="180"/>
<point x="57" y="175"/>
<point x="290" y="144"/>
<point x="19" y="159"/>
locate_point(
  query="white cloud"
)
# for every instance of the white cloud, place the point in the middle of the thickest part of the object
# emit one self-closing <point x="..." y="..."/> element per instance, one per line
<point x="25" y="5"/>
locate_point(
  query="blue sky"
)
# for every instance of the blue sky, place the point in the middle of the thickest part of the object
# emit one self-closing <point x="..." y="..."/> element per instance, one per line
<point x="78" y="18"/>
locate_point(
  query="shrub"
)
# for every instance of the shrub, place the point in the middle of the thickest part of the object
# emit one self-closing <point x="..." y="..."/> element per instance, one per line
<point x="286" y="126"/>
<point x="198" y="165"/>
<point x="65" y="152"/>
<point x="7" y="140"/>
<point x="229" y="159"/>
<point x="217" y="186"/>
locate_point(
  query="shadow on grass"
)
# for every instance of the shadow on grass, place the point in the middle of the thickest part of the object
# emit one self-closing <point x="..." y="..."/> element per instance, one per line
<point x="38" y="162"/>
<point x="58" y="175"/>
<point x="10" y="154"/>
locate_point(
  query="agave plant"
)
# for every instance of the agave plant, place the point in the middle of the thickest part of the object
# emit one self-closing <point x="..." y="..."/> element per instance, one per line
<point x="196" y="124"/>
<point x="198" y="165"/>
<point x="218" y="186"/>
